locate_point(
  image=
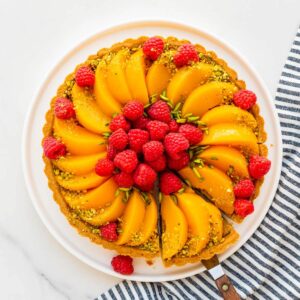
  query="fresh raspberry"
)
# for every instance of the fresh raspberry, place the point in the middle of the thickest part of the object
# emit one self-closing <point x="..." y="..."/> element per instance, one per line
<point x="53" y="148"/>
<point x="153" y="150"/>
<point x="118" y="139"/>
<point x="104" y="167"/>
<point x="243" y="207"/>
<point x="123" y="179"/>
<point x="118" y="122"/>
<point x="85" y="77"/>
<point x="180" y="163"/>
<point x="160" y="111"/>
<point x="126" y="161"/>
<point x="157" y="130"/>
<point x="175" y="145"/>
<point x="144" y="177"/>
<point x="137" y="138"/>
<point x="159" y="164"/>
<point x="133" y="110"/>
<point x="185" y="54"/>
<point x="244" y="99"/>
<point x="244" y="188"/>
<point x="111" y="152"/>
<point x="258" y="166"/>
<point x="64" y="108"/>
<point x="141" y="123"/>
<point x="169" y="183"/>
<point x="153" y="47"/>
<point x="122" y="264"/>
<point x="173" y="125"/>
<point x="109" y="232"/>
<point x="193" y="134"/>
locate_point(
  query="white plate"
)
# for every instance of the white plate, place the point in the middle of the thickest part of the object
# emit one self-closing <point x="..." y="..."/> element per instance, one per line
<point x="41" y="196"/>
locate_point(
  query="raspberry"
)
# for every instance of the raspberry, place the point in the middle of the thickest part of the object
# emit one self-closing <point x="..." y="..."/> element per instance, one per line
<point x="153" y="47"/>
<point x="85" y="76"/>
<point x="185" y="54"/>
<point x="159" y="164"/>
<point x="175" y="145"/>
<point x="244" y="188"/>
<point x="126" y="161"/>
<point x="180" y="163"/>
<point x="53" y="148"/>
<point x="122" y="264"/>
<point x="173" y="125"/>
<point x="111" y="152"/>
<point x="64" y="108"/>
<point x="109" y="232"/>
<point x="104" y="167"/>
<point x="118" y="139"/>
<point x="118" y="122"/>
<point x="193" y="134"/>
<point x="137" y="138"/>
<point x="244" y="99"/>
<point x="133" y="110"/>
<point x="258" y="166"/>
<point x="169" y="183"/>
<point x="157" y="130"/>
<point x="243" y="207"/>
<point x="153" y="150"/>
<point x="144" y="177"/>
<point x="123" y="179"/>
<point x="160" y="111"/>
<point x="141" y="123"/>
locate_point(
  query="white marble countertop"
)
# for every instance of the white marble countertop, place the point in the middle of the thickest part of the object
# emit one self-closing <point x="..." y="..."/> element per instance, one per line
<point x="34" y="36"/>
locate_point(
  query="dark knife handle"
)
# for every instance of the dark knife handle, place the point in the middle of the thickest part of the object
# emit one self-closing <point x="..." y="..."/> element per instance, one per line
<point x="227" y="289"/>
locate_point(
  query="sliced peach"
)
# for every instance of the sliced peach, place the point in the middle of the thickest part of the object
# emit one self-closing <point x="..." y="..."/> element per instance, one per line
<point x="87" y="110"/>
<point x="136" y="76"/>
<point x="215" y="183"/>
<point x="116" y="77"/>
<point x="224" y="158"/>
<point x="198" y="220"/>
<point x="186" y="80"/>
<point x="133" y="218"/>
<point x="157" y="78"/>
<point x="233" y="135"/>
<point x="175" y="228"/>
<point x="207" y="96"/>
<point x="78" y="164"/>
<point x="148" y="226"/>
<point x="106" y="102"/>
<point x="80" y="182"/>
<point x="229" y="114"/>
<point x="78" y="140"/>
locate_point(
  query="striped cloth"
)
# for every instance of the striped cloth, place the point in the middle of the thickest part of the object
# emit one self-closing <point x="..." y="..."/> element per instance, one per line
<point x="268" y="265"/>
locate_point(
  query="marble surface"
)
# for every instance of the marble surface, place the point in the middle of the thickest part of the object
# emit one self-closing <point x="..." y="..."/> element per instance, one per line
<point x="34" y="36"/>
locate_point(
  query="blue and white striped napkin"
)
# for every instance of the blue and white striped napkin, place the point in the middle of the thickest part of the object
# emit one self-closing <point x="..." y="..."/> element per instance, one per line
<point x="268" y="265"/>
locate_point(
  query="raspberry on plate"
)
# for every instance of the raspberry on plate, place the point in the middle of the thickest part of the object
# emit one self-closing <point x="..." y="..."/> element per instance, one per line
<point x="185" y="54"/>
<point x="53" y="148"/>
<point x="122" y="264"/>
<point x="64" y="108"/>
<point x="169" y="183"/>
<point x="180" y="163"/>
<point x="244" y="99"/>
<point x="243" y="207"/>
<point x="137" y="138"/>
<point x="104" y="167"/>
<point x="85" y="76"/>
<point x="159" y="164"/>
<point x="173" y="126"/>
<point x="144" y="177"/>
<point x="141" y="123"/>
<point x="258" y="166"/>
<point x="160" y="111"/>
<point x="153" y="47"/>
<point x="244" y="188"/>
<point x="109" y="232"/>
<point x="119" y="139"/>
<point x="123" y="179"/>
<point x="193" y="134"/>
<point x="118" y="122"/>
<point x="126" y="161"/>
<point x="175" y="144"/>
<point x="157" y="130"/>
<point x="133" y="110"/>
<point x="153" y="150"/>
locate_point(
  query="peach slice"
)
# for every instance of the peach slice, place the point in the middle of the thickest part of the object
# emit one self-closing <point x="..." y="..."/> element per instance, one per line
<point x="229" y="114"/>
<point x="186" y="80"/>
<point x="78" y="165"/>
<point x="216" y="184"/>
<point x="148" y="226"/>
<point x="223" y="158"/>
<point x="78" y="140"/>
<point x="106" y="102"/>
<point x="87" y="110"/>
<point x="233" y="135"/>
<point x="198" y="220"/>
<point x="132" y="218"/>
<point x="116" y="77"/>
<point x="175" y="228"/>
<point x="157" y="78"/>
<point x="80" y="182"/>
<point x="136" y="76"/>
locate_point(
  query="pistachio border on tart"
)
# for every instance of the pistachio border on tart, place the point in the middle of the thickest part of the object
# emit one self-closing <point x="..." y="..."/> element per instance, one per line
<point x="149" y="144"/>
